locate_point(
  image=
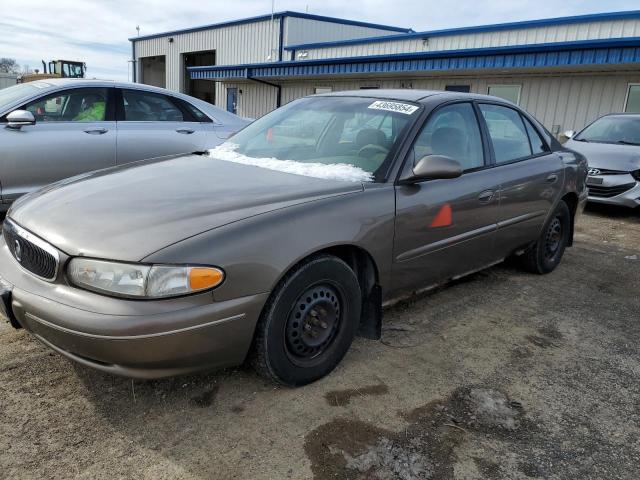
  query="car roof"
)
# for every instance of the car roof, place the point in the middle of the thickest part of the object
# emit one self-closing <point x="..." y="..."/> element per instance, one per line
<point x="411" y="95"/>
<point x="55" y="83"/>
<point x="622" y="114"/>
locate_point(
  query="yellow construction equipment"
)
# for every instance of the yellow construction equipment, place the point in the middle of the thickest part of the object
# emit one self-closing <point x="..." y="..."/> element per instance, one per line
<point x="57" y="69"/>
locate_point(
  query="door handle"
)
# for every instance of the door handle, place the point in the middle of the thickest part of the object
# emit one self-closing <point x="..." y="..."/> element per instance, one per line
<point x="185" y="131"/>
<point x="96" y="131"/>
<point x="552" y="178"/>
<point x="486" y="196"/>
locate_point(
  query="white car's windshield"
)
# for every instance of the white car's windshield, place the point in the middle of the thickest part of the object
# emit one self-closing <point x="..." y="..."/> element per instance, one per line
<point x="13" y="94"/>
<point x="344" y="138"/>
<point x="620" y="129"/>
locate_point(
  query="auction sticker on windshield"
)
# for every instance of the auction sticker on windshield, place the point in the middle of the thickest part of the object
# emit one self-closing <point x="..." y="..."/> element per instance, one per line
<point x="405" y="108"/>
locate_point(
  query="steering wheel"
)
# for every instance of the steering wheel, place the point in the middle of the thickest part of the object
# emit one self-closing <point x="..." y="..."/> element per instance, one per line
<point x="371" y="149"/>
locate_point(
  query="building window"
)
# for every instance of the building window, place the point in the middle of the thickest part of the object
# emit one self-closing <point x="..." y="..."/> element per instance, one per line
<point x="632" y="104"/>
<point x="319" y="90"/>
<point x="507" y="92"/>
<point x="369" y="87"/>
<point x="458" y="88"/>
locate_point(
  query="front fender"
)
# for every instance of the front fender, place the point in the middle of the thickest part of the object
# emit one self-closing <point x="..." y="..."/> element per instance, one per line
<point x="256" y="252"/>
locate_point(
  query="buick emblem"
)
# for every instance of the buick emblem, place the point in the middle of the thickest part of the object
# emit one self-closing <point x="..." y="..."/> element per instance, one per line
<point x="594" y="171"/>
<point x="17" y="249"/>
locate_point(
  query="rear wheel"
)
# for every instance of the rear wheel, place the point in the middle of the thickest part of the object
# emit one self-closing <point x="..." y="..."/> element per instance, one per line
<point x="545" y="255"/>
<point x="308" y="323"/>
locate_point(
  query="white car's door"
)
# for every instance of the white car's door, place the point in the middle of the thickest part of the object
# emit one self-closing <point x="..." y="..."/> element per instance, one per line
<point x="74" y="133"/>
<point x="154" y="125"/>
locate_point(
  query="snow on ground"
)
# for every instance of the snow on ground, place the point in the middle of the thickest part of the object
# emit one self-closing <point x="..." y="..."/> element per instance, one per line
<point x="338" y="171"/>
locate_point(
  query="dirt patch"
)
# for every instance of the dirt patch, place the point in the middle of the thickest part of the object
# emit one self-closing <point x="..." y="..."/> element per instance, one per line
<point x="352" y="449"/>
<point x="340" y="398"/>
<point x="206" y="398"/>
<point x="549" y="337"/>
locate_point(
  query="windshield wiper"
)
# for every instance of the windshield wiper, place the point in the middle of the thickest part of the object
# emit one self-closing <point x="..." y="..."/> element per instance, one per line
<point x="581" y="140"/>
<point x="625" y="142"/>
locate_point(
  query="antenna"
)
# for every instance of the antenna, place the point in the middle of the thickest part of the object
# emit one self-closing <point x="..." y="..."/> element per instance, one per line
<point x="138" y="29"/>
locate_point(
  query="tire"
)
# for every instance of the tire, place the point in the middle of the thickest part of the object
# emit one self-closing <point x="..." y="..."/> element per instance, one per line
<point x="308" y="323"/>
<point x="545" y="255"/>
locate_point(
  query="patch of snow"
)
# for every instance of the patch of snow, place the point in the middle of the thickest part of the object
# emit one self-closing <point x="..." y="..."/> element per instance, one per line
<point x="336" y="171"/>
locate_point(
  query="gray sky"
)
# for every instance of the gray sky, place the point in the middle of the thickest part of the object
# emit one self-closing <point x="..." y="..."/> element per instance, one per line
<point x="97" y="31"/>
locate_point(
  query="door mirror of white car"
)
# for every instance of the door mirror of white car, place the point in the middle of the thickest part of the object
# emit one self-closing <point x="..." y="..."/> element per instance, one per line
<point x="569" y="133"/>
<point x="434" y="167"/>
<point x="20" y="118"/>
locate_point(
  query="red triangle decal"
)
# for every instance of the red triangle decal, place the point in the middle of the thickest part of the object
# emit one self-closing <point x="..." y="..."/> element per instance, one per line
<point x="444" y="218"/>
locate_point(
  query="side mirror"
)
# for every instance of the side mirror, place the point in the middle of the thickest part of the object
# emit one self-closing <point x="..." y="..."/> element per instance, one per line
<point x="434" y="167"/>
<point x="569" y="133"/>
<point x="19" y="118"/>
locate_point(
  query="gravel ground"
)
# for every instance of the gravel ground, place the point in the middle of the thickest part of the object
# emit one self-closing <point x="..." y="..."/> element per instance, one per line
<point x="500" y="375"/>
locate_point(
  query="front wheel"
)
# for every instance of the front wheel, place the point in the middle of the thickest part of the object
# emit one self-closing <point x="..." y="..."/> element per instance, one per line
<point x="308" y="323"/>
<point x="545" y="255"/>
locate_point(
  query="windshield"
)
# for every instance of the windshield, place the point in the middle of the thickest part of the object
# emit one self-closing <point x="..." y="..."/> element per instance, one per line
<point x="613" y="129"/>
<point x="15" y="93"/>
<point x="340" y="138"/>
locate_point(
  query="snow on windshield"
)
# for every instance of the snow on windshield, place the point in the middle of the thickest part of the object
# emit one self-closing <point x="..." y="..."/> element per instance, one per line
<point x="336" y="171"/>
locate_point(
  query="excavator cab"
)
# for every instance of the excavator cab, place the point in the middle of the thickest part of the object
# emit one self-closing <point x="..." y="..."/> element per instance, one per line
<point x="67" y="68"/>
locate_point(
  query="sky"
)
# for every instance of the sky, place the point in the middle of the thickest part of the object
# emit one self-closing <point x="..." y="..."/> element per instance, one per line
<point x="97" y="32"/>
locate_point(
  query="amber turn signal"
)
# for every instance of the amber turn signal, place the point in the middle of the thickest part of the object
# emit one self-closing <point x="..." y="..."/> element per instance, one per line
<point x="201" y="278"/>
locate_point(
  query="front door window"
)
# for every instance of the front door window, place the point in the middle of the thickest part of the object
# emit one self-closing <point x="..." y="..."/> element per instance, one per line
<point x="78" y="105"/>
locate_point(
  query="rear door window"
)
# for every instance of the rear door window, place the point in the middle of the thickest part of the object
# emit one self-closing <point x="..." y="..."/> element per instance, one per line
<point x="142" y="106"/>
<point x="538" y="146"/>
<point x="196" y="113"/>
<point x="507" y="132"/>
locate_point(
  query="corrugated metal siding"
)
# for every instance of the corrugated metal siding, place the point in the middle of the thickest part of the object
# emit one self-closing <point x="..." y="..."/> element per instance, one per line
<point x="245" y="43"/>
<point x="237" y="44"/>
<point x="304" y="30"/>
<point x="255" y="100"/>
<point x="547" y="34"/>
<point x="570" y="101"/>
<point x="7" y="80"/>
<point x="593" y="53"/>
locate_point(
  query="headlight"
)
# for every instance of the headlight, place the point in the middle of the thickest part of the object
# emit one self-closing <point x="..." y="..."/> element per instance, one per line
<point x="141" y="281"/>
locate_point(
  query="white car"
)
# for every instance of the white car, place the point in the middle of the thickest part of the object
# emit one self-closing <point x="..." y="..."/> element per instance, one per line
<point x="54" y="129"/>
<point x="612" y="147"/>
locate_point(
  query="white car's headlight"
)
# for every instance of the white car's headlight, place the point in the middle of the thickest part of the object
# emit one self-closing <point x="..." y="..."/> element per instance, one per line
<point x="141" y="281"/>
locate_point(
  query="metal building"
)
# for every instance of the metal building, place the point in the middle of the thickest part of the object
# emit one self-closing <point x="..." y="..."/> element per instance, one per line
<point x="566" y="71"/>
<point x="7" y="80"/>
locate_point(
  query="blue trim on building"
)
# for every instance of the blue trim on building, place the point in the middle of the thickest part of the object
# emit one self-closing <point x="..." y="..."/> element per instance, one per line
<point x="261" y="18"/>
<point x="476" y="29"/>
<point x="585" y="52"/>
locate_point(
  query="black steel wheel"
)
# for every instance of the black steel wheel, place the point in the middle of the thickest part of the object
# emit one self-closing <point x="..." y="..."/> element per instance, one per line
<point x="309" y="322"/>
<point x="313" y="322"/>
<point x="545" y="255"/>
<point x="553" y="238"/>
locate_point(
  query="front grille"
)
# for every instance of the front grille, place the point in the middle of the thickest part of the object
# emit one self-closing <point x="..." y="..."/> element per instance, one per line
<point x="32" y="253"/>
<point x="608" y="192"/>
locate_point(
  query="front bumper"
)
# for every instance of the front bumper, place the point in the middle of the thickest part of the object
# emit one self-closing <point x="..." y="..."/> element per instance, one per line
<point x="608" y="186"/>
<point x="140" y="339"/>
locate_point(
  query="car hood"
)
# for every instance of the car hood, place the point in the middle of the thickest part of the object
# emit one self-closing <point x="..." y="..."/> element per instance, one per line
<point x="129" y="212"/>
<point x="607" y="155"/>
